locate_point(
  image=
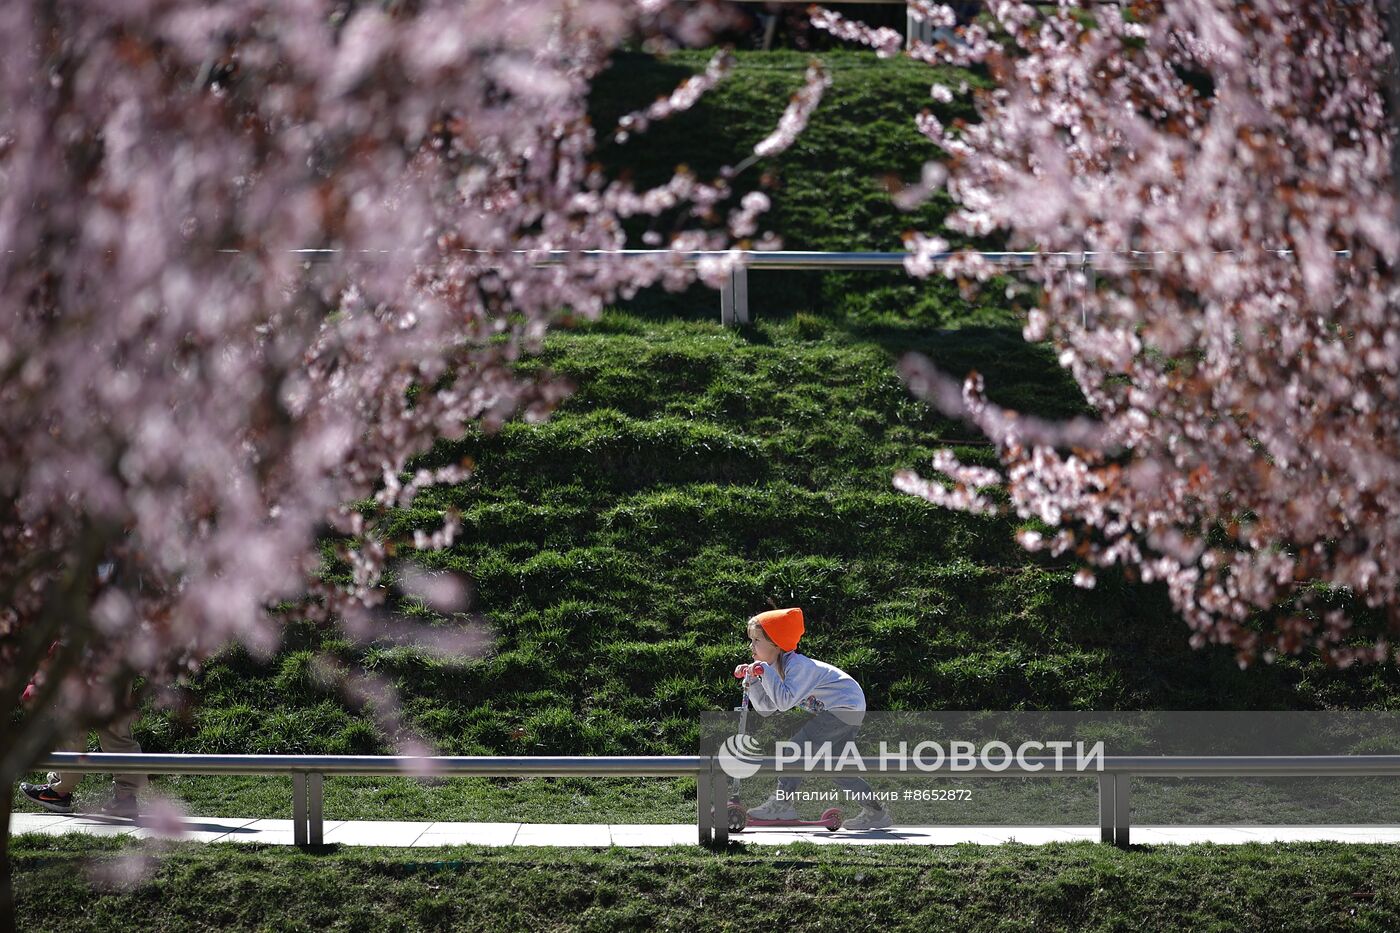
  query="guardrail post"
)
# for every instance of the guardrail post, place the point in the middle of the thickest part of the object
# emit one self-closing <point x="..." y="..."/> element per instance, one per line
<point x="1088" y="290"/>
<point x="719" y="795"/>
<point x="1106" y="781"/>
<point x="770" y="25"/>
<point x="739" y="277"/>
<point x="703" y="811"/>
<point x="315" y="812"/>
<point x="917" y="29"/>
<point x="1122" y="785"/>
<point x="726" y="302"/>
<point x="299" y="809"/>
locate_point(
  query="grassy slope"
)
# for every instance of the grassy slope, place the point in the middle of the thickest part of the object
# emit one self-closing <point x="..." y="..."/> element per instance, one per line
<point x="699" y="475"/>
<point x="1080" y="887"/>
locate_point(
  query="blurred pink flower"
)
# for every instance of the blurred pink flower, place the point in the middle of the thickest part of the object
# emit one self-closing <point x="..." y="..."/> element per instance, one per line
<point x="1242" y="377"/>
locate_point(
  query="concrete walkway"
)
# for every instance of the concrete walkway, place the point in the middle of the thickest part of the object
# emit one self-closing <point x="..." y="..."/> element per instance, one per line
<point x="279" y="832"/>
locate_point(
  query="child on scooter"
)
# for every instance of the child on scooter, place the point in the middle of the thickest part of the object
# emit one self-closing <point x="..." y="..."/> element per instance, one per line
<point x="781" y="679"/>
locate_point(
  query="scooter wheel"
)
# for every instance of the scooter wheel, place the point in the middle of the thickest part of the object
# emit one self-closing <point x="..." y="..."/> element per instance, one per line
<point x="832" y="819"/>
<point x="738" y="818"/>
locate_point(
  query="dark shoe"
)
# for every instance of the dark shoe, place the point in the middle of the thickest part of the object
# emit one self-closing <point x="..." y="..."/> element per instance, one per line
<point x="45" y="796"/>
<point x="122" y="805"/>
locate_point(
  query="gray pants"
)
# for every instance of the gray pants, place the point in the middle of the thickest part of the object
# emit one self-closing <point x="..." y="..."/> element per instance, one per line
<point x="837" y="727"/>
<point x="115" y="738"/>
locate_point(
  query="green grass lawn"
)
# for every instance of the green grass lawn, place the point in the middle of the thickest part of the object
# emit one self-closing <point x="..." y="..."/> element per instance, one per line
<point x="700" y="475"/>
<point x="76" y="885"/>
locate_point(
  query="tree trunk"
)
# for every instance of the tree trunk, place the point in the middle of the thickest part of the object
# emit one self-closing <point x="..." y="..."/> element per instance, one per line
<point x="7" y="888"/>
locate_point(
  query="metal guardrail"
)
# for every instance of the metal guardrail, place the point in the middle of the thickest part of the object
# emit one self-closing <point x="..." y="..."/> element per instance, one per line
<point x="308" y="772"/>
<point x="1114" y="773"/>
<point x="734" y="292"/>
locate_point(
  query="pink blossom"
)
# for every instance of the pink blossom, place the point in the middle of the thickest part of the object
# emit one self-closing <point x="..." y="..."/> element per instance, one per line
<point x="885" y="41"/>
<point x="1237" y="381"/>
<point x="798" y="112"/>
<point x="931" y="178"/>
<point x="744" y="222"/>
<point x="684" y="97"/>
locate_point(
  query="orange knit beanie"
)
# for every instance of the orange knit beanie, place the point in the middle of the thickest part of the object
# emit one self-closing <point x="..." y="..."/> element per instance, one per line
<point x="782" y="626"/>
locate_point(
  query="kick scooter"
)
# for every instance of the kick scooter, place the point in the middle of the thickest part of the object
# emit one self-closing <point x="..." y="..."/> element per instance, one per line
<point x="739" y="816"/>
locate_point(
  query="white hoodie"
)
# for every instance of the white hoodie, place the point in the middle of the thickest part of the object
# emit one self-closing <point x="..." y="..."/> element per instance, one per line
<point x="805" y="683"/>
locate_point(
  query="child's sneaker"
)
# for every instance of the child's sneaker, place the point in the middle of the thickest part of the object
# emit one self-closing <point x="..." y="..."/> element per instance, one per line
<point x="45" y="796"/>
<point x="773" y="809"/>
<point x="870" y="818"/>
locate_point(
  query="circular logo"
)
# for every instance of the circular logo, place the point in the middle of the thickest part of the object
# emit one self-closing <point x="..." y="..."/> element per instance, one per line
<point x="740" y="756"/>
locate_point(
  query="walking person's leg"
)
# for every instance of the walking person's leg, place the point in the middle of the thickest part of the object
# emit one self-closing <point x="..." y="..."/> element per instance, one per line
<point x="117" y="739"/>
<point x="856" y="787"/>
<point x="57" y="795"/>
<point x="68" y="781"/>
<point x="780" y="805"/>
<point x="873" y="813"/>
<point x="824" y="727"/>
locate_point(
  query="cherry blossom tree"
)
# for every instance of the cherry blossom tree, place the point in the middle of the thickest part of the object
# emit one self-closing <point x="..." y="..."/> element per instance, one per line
<point x="1228" y="166"/>
<point x="254" y="257"/>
